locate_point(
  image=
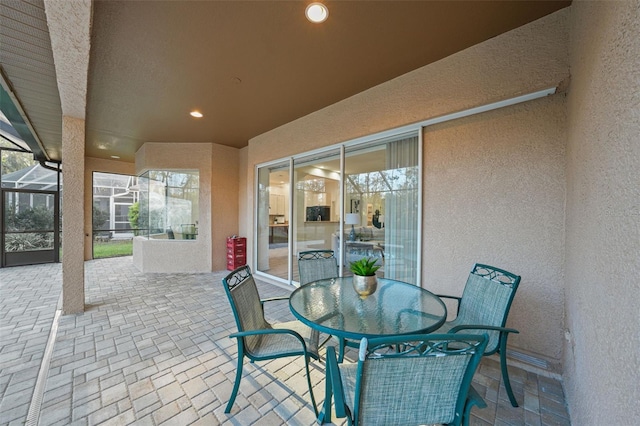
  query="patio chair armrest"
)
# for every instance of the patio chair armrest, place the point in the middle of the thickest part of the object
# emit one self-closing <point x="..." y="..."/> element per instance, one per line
<point x="404" y="313"/>
<point x="456" y="298"/>
<point x="483" y="327"/>
<point x="408" y="311"/>
<point x="336" y="382"/>
<point x="241" y="334"/>
<point x="272" y="299"/>
<point x="328" y="316"/>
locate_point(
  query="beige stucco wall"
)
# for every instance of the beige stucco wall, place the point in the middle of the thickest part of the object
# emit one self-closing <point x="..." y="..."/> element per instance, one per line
<point x="98" y="165"/>
<point x="225" y="178"/>
<point x="178" y="255"/>
<point x="494" y="191"/>
<point x="602" y="361"/>
<point x="243" y="203"/>
<point x="522" y="61"/>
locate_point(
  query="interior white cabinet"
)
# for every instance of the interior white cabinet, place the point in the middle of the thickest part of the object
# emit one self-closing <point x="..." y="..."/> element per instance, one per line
<point x="276" y="204"/>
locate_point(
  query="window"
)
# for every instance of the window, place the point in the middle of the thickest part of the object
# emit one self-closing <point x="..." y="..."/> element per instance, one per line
<point x="169" y="204"/>
<point x="115" y="207"/>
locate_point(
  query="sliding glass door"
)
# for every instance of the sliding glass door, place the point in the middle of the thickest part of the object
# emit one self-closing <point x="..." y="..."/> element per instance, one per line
<point x="380" y="209"/>
<point x="316" y="195"/>
<point x="273" y="220"/>
<point x="381" y="203"/>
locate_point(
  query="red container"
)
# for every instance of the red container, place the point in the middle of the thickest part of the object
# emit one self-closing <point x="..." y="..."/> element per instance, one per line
<point x="236" y="253"/>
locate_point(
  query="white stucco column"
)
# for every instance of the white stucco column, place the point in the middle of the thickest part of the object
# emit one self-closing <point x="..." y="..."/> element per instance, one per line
<point x="73" y="131"/>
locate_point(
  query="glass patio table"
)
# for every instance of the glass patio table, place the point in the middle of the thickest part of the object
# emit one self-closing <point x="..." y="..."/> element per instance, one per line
<point x="332" y="306"/>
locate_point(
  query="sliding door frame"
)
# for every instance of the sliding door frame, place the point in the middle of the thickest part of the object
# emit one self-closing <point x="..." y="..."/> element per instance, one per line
<point x="375" y="139"/>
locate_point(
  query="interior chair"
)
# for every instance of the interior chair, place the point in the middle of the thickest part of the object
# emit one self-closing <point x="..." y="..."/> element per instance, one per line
<point x="483" y="308"/>
<point x="315" y="265"/>
<point x="427" y="382"/>
<point x="260" y="340"/>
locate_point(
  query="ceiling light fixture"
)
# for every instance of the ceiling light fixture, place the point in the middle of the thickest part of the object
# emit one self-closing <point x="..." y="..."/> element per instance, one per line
<point x="317" y="12"/>
<point x="115" y="156"/>
<point x="196" y="114"/>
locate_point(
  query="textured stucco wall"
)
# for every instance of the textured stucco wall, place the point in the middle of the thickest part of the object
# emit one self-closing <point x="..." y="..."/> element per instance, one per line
<point x="225" y="177"/>
<point x="244" y="204"/>
<point x="175" y="255"/>
<point x="494" y="191"/>
<point x="69" y="25"/>
<point x="98" y="165"/>
<point x="73" y="215"/>
<point x="602" y="361"/>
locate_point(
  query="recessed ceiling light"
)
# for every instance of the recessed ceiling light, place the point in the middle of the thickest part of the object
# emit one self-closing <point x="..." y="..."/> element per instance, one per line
<point x="196" y="114"/>
<point x="317" y="12"/>
<point x="115" y="156"/>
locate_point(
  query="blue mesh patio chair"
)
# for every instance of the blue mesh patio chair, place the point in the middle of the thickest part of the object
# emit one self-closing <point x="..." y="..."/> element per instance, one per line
<point x="427" y="382"/>
<point x="483" y="308"/>
<point x="315" y="265"/>
<point x="260" y="340"/>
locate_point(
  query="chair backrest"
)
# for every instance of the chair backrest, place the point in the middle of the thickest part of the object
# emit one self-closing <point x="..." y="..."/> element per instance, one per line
<point x="315" y="265"/>
<point x="245" y="302"/>
<point x="486" y="300"/>
<point x="424" y="383"/>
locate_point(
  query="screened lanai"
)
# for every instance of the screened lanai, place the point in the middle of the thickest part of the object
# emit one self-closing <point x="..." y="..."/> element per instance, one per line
<point x="32" y="177"/>
<point x="113" y="196"/>
<point x="30" y="206"/>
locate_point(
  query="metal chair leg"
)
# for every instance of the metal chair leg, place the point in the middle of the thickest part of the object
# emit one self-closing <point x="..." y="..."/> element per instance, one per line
<point x="473" y="398"/>
<point x="236" y="385"/>
<point x="313" y="399"/>
<point x="325" y="414"/>
<point x="505" y="372"/>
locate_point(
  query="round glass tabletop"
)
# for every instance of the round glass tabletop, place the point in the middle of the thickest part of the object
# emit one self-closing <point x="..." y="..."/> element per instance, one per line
<point x="333" y="306"/>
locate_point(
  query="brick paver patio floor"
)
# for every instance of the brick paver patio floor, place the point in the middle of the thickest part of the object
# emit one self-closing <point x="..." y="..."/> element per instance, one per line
<point x="153" y="349"/>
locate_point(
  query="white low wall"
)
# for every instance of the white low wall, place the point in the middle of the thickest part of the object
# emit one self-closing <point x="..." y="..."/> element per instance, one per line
<point x="151" y="255"/>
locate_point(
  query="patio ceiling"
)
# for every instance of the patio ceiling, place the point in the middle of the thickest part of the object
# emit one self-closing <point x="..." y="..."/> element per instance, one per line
<point x="248" y="66"/>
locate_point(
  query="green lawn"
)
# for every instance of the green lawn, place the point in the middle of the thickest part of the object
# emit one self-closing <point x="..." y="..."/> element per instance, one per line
<point x="112" y="249"/>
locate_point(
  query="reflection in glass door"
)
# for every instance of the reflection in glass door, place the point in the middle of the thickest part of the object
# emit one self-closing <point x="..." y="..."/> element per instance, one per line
<point x="273" y="220"/>
<point x="316" y="206"/>
<point x="382" y="203"/>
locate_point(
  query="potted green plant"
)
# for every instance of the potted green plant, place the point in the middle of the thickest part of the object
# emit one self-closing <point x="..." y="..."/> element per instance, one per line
<point x="364" y="276"/>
